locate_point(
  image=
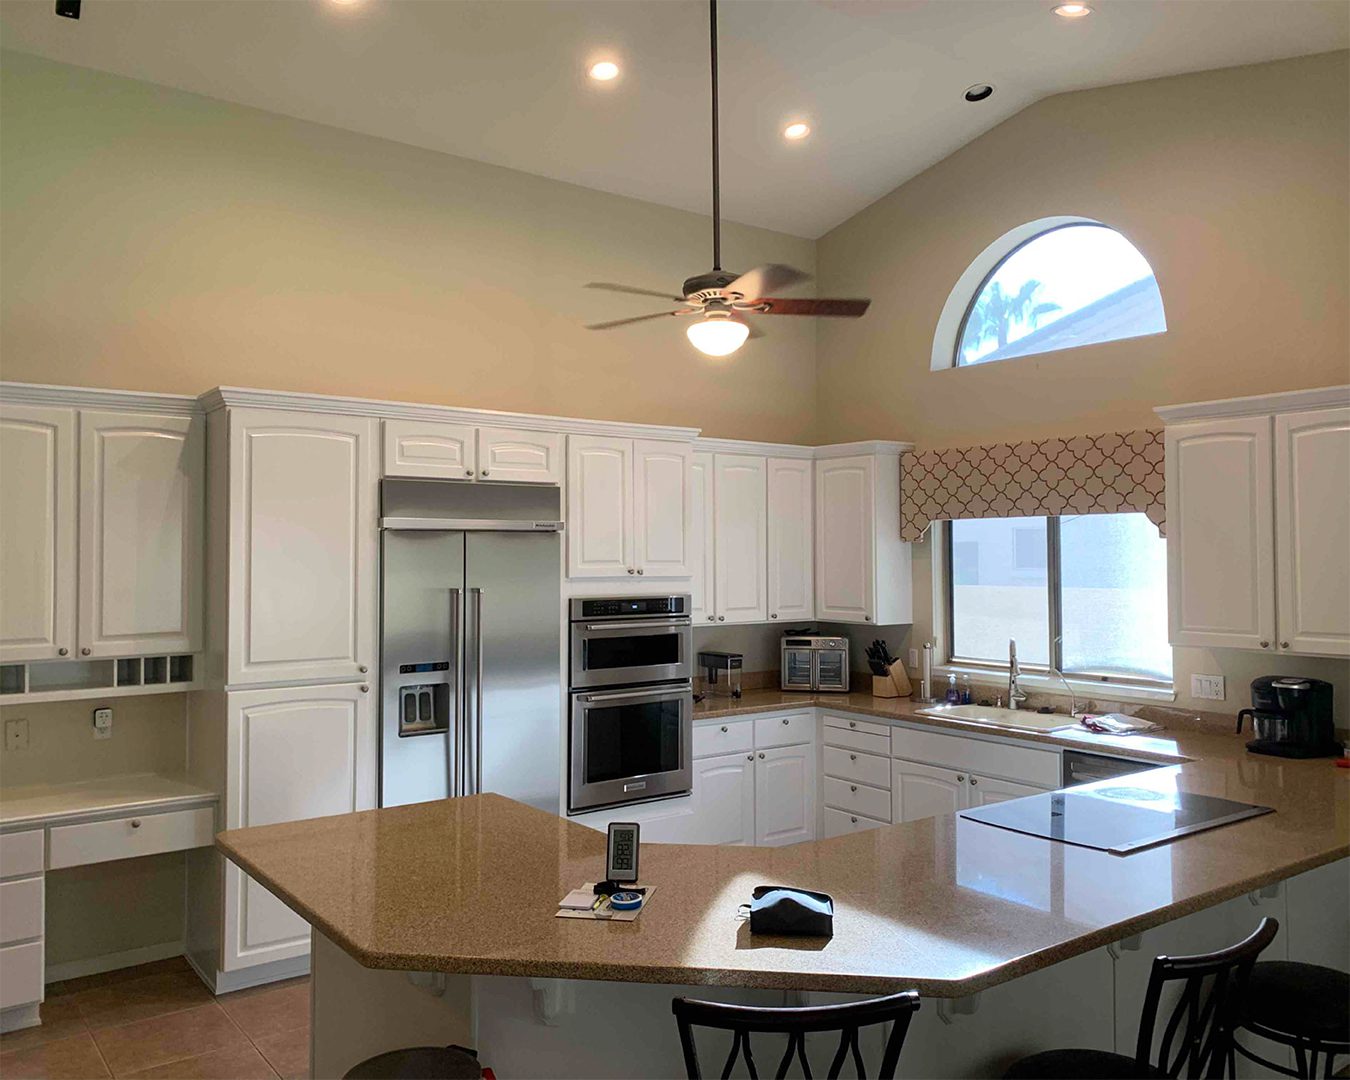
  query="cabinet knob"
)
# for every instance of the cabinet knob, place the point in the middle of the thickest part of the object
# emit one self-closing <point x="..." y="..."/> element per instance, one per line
<point x="761" y="757"/>
<point x="853" y="757"/>
<point x="724" y="728"/>
<point x="135" y="823"/>
<point x="365" y="689"/>
<point x="960" y="779"/>
<point x="363" y="669"/>
<point x="630" y="570"/>
<point x="774" y="615"/>
<point x="639" y="569"/>
<point x="712" y="618"/>
<point x="853" y="787"/>
<point x="485" y="472"/>
<point x="62" y="652"/>
<point x="751" y="757"/>
<point x="853" y="723"/>
<point x="1284" y="644"/>
<point x="786" y="721"/>
<point x="867" y="618"/>
<point x="853" y="820"/>
<point x="85" y="652"/>
<point x="721" y="618"/>
<point x="468" y="472"/>
<point x="1265" y="644"/>
<point x="973" y="781"/>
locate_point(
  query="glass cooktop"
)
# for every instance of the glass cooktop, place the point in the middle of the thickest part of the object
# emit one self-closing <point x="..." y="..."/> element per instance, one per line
<point x="1119" y="818"/>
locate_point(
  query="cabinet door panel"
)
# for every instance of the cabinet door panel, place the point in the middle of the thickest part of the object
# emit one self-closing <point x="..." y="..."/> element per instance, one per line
<point x="1220" y="534"/>
<point x="522" y="457"/>
<point x="599" y="507"/>
<point x="1312" y="512"/>
<point x="724" y="788"/>
<point x="141" y="482"/>
<point x="739" y="538"/>
<point x="785" y="795"/>
<point x="429" y="449"/>
<point x="663" y="507"/>
<point x="303" y="565"/>
<point x="37" y="533"/>
<point x="791" y="543"/>
<point x="701" y="554"/>
<point x="845" y="516"/>
<point x="922" y="791"/>
<point x="986" y="790"/>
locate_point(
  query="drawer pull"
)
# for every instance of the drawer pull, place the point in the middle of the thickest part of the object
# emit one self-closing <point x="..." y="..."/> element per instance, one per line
<point x="853" y="787"/>
<point x="135" y="823"/>
<point x="973" y="781"/>
<point x="853" y="757"/>
<point x="853" y="820"/>
<point x="751" y="757"/>
<point x="724" y="729"/>
<point x="786" y="721"/>
<point x="853" y="723"/>
<point x="761" y="757"/>
<point x="960" y="779"/>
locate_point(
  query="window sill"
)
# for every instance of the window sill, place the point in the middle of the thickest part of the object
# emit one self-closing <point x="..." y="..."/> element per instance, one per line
<point x="1050" y="684"/>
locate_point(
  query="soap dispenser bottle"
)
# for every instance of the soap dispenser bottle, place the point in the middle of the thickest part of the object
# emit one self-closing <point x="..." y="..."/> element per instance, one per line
<point x="953" y="694"/>
<point x="967" y="697"/>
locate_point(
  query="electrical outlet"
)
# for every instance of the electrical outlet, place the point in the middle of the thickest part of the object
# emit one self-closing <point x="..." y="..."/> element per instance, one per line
<point x="16" y="734"/>
<point x="103" y="723"/>
<point x="913" y="659"/>
<point x="1208" y="686"/>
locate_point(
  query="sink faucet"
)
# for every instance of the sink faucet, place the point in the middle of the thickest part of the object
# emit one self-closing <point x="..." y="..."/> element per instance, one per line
<point x="1015" y="695"/>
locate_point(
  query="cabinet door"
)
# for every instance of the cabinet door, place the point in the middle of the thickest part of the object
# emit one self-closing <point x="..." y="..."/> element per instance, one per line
<point x="701" y="555"/>
<point x="291" y="754"/>
<point x="984" y="790"/>
<point x="303" y="567"/>
<point x="37" y="533"/>
<point x="922" y="791"/>
<point x="141" y="484"/>
<point x="785" y="795"/>
<point x="1312" y="513"/>
<point x="599" y="507"/>
<point x="724" y="791"/>
<point x="429" y="449"/>
<point x="1220" y="534"/>
<point x="663" y="508"/>
<point x="791" y="543"/>
<point x="740" y="549"/>
<point x="845" y="518"/>
<point x="524" y="457"/>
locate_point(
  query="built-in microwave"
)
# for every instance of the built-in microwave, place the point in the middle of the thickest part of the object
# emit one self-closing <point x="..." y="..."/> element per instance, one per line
<point x="625" y="641"/>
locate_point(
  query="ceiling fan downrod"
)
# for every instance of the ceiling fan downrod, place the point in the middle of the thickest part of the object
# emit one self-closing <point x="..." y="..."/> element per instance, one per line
<point x="716" y="182"/>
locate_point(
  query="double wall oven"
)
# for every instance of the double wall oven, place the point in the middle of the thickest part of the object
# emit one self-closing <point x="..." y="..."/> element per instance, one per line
<point x="632" y="698"/>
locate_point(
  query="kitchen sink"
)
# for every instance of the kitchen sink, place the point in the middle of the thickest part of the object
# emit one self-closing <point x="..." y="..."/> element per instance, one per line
<point x="1016" y="719"/>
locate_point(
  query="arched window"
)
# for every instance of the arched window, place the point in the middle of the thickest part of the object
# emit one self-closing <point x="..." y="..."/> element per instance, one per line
<point x="1049" y="285"/>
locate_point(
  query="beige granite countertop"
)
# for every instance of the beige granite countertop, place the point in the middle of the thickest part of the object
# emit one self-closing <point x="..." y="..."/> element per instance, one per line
<point x="944" y="905"/>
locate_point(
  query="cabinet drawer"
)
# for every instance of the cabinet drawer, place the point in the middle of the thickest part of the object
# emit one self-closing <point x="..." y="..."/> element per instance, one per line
<point x="125" y="838"/>
<point x="20" y="974"/>
<point x="725" y="737"/>
<point x="849" y="723"/>
<point x="855" y="765"/>
<point x="854" y="739"/>
<point x="20" y="910"/>
<point x="1030" y="766"/>
<point x="21" y="853"/>
<point x="839" y="822"/>
<point x="784" y="730"/>
<point x="858" y="798"/>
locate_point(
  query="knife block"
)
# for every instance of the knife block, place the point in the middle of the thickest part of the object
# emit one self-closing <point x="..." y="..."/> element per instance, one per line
<point x="883" y="686"/>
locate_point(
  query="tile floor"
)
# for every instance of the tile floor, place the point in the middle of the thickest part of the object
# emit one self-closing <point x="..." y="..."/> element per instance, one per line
<point x="158" y="1020"/>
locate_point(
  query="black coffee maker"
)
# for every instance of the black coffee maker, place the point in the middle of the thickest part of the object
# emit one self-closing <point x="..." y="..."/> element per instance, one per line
<point x="1291" y="717"/>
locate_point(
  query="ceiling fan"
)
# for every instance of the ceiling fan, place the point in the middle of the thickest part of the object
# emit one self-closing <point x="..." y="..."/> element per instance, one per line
<point x="720" y="299"/>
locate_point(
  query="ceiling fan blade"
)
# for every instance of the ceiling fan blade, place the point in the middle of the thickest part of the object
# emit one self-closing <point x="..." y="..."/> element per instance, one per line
<point x="843" y="309"/>
<point x="766" y="279"/>
<point x="637" y="318"/>
<point x="612" y="287"/>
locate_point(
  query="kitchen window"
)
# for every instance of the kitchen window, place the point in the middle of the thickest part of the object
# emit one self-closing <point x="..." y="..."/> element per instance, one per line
<point x="1082" y="594"/>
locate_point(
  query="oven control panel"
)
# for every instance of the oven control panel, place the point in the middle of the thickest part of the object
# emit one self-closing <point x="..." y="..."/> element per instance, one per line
<point x="618" y="607"/>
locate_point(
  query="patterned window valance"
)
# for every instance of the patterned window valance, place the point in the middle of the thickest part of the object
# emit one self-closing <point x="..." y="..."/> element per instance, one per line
<point x="1085" y="474"/>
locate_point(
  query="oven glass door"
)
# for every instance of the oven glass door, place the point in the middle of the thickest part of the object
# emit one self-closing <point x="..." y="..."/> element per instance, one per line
<point x="624" y="652"/>
<point x="830" y="674"/>
<point x="630" y="745"/>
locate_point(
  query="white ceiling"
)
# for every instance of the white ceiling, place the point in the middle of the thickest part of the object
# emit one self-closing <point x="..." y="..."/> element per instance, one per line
<point x="503" y="81"/>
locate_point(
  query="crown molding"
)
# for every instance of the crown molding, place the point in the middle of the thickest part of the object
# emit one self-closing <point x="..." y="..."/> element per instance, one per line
<point x="83" y="397"/>
<point x="765" y="449"/>
<point x="1326" y="397"/>
<point x="858" y="449"/>
<point x="222" y="397"/>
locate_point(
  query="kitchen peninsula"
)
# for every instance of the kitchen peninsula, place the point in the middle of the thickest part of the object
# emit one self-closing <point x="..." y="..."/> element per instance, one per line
<point x="983" y="921"/>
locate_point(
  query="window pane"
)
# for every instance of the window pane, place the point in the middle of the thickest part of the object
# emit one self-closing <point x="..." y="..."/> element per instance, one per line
<point x="999" y="589"/>
<point x="1071" y="286"/>
<point x="1113" y="572"/>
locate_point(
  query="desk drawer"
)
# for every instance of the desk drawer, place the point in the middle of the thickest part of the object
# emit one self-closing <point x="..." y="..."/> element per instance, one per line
<point x="21" y="853"/>
<point x="20" y="910"/>
<point x="858" y="798"/>
<point x="20" y="974"/>
<point x="850" y="723"/>
<point x="126" y="838"/>
<point x="724" y="737"/>
<point x="839" y="822"/>
<point x="855" y="765"/>
<point x="789" y="730"/>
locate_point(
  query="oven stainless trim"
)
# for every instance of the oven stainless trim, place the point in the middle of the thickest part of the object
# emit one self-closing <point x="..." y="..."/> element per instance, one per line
<point x="582" y="797"/>
<point x="683" y="668"/>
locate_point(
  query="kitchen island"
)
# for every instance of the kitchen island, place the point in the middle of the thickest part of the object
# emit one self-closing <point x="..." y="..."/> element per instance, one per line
<point x="985" y="921"/>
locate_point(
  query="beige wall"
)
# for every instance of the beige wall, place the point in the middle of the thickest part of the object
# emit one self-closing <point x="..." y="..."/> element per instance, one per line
<point x="156" y="240"/>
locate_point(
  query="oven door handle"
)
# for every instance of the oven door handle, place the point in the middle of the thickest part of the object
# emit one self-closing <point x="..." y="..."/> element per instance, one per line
<point x="639" y="624"/>
<point x="638" y="695"/>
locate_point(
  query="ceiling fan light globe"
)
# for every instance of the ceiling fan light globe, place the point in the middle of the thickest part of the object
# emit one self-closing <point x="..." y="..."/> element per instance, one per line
<point x="717" y="337"/>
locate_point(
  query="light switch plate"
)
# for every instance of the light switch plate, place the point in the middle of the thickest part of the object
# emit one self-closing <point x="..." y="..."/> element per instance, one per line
<point x="913" y="659"/>
<point x="103" y="723"/>
<point x="16" y="734"/>
<point x="1209" y="687"/>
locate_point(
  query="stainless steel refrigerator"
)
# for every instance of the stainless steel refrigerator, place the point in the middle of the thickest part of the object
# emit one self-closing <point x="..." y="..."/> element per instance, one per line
<point x="470" y="659"/>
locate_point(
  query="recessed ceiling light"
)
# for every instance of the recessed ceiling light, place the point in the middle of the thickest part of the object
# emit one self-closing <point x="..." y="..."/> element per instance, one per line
<point x="796" y="130"/>
<point x="1075" y="9"/>
<point x="979" y="92"/>
<point x="345" y="3"/>
<point x="604" y="71"/>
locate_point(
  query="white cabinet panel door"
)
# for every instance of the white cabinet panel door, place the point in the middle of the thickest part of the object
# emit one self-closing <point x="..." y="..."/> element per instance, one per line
<point x="740" y="574"/>
<point x="292" y="754"/>
<point x="599" y="507"/>
<point x="1312" y="514"/>
<point x="701" y="552"/>
<point x="845" y="520"/>
<point x="303" y="563"/>
<point x="724" y="788"/>
<point x="791" y="543"/>
<point x="37" y="533"/>
<point x="785" y="795"/>
<point x="984" y="790"/>
<point x="141" y="488"/>
<point x="663" y="508"/>
<point x="522" y="457"/>
<point x="922" y="791"/>
<point x="429" y="449"/>
<point x="1220" y="534"/>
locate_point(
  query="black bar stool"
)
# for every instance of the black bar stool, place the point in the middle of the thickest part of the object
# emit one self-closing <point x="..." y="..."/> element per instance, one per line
<point x="796" y="1023"/>
<point x="420" y="1063"/>
<point x="1197" y="1034"/>
<point x="1305" y="1007"/>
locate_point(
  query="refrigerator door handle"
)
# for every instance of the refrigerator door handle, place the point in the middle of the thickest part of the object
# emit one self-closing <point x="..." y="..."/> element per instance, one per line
<point x="454" y="756"/>
<point x="477" y="785"/>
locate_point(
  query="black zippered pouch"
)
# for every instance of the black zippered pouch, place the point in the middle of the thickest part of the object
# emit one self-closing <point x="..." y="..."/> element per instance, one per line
<point x="778" y="909"/>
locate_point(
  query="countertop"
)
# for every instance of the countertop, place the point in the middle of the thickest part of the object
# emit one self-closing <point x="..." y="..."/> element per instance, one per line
<point x="51" y="804"/>
<point x="944" y="905"/>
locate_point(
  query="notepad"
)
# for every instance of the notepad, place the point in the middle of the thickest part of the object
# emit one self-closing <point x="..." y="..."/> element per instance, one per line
<point x="577" y="905"/>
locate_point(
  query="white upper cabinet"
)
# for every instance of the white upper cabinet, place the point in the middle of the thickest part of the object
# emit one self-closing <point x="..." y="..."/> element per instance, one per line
<point x="663" y="507"/>
<point x="437" y="451"/>
<point x="740" y="576"/>
<point x="701" y="538"/>
<point x="38" y="477"/>
<point x="785" y="795"/>
<point x="140" y="533"/>
<point x="791" y="559"/>
<point x="1312" y="516"/>
<point x="520" y="457"/>
<point x="303" y="588"/>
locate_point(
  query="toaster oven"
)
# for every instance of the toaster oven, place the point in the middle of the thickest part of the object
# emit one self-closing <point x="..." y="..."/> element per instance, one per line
<point x="815" y="663"/>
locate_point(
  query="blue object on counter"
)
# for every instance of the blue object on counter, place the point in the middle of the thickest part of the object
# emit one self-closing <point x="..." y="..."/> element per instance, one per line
<point x="625" y="901"/>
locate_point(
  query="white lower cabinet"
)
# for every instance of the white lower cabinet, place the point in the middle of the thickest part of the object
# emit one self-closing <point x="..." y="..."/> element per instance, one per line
<point x="724" y="789"/>
<point x="785" y="795"/>
<point x="922" y="791"/>
<point x="986" y="790"/>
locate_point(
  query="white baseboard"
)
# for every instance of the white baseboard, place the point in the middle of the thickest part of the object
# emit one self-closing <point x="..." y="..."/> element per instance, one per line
<point x="226" y="982"/>
<point x="19" y="1017"/>
<point x="96" y="965"/>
